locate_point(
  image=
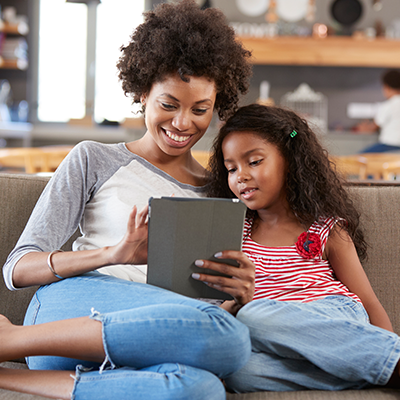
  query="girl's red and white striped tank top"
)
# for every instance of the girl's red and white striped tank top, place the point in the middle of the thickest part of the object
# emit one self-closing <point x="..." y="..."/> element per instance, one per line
<point x="283" y="274"/>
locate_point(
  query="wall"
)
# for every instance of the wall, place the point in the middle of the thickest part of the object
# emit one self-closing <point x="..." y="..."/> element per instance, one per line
<point x="340" y="84"/>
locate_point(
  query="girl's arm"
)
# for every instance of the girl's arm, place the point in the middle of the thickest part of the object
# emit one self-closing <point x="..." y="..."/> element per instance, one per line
<point x="32" y="269"/>
<point x="366" y="128"/>
<point x="240" y="285"/>
<point x="342" y="255"/>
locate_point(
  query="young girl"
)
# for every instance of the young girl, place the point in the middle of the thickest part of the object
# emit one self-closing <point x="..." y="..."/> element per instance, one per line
<point x="315" y="322"/>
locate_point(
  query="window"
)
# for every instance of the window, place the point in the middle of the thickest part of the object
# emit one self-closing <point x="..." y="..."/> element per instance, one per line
<point x="62" y="60"/>
<point x="79" y="46"/>
<point x="121" y="20"/>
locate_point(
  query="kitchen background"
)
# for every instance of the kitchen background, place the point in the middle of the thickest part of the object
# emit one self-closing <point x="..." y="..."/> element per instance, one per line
<point x="344" y="88"/>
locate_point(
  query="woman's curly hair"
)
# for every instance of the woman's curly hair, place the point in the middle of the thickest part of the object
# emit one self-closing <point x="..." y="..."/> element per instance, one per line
<point x="183" y="38"/>
<point x="314" y="188"/>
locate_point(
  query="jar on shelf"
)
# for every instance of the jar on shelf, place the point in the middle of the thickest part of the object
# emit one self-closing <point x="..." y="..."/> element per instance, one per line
<point x="310" y="105"/>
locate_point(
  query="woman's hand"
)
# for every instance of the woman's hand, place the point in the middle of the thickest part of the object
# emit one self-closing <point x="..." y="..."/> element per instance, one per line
<point x="239" y="283"/>
<point x="32" y="268"/>
<point x="132" y="249"/>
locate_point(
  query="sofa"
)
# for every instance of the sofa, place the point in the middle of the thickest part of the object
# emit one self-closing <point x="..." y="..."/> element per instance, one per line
<point x="379" y="203"/>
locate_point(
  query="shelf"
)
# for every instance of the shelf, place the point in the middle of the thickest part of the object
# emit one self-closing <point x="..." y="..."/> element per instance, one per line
<point x="16" y="130"/>
<point x="20" y="28"/>
<point x="332" y="51"/>
<point x="20" y="64"/>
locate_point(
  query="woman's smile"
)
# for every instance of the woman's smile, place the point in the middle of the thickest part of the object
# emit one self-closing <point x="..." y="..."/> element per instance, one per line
<point x="176" y="138"/>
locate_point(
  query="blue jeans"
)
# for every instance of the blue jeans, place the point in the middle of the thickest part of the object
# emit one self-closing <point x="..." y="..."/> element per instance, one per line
<point x="326" y="344"/>
<point x="380" y="148"/>
<point x="159" y="344"/>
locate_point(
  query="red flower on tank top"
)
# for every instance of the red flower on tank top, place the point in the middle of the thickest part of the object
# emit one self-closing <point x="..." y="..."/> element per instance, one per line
<point x="308" y="245"/>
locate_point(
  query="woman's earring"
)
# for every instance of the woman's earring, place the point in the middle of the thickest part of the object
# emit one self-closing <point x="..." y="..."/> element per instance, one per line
<point x="143" y="103"/>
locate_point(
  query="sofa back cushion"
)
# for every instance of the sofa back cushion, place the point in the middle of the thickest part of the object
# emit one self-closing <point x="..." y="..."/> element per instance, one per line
<point x="380" y="218"/>
<point x="18" y="196"/>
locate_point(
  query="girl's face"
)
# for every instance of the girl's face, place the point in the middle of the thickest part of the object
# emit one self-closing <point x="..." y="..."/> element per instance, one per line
<point x="256" y="171"/>
<point x="178" y="113"/>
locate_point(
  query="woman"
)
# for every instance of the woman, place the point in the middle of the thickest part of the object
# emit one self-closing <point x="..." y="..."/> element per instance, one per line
<point x="181" y="64"/>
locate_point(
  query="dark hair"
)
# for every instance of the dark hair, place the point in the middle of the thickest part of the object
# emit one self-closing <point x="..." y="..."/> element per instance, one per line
<point x="313" y="187"/>
<point x="391" y="78"/>
<point x="183" y="38"/>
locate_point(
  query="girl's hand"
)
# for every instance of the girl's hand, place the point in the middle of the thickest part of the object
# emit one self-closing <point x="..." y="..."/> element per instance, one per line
<point x="239" y="283"/>
<point x="132" y="249"/>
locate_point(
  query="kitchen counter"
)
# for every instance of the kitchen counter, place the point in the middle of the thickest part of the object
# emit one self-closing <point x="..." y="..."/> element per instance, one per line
<point x="344" y="143"/>
<point x="337" y="143"/>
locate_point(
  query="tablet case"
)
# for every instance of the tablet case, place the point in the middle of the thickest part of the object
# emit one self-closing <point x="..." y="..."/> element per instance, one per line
<point x="182" y="230"/>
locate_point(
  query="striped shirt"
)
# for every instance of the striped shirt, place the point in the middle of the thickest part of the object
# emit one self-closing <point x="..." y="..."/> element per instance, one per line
<point x="283" y="274"/>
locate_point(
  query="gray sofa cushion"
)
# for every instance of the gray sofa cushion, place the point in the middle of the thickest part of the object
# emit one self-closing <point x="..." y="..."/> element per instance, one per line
<point x="18" y="195"/>
<point x="372" y="394"/>
<point x="380" y="217"/>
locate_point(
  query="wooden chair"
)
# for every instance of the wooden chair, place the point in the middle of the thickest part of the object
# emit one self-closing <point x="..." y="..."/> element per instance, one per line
<point x="376" y="164"/>
<point x="390" y="170"/>
<point x="201" y="156"/>
<point x="33" y="159"/>
<point x="351" y="166"/>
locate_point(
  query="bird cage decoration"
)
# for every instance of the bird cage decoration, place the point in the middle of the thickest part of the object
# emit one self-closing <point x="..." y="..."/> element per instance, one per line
<point x="310" y="105"/>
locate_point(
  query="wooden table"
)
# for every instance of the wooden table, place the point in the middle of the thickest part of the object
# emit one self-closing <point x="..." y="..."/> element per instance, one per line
<point x="34" y="159"/>
<point x="379" y="166"/>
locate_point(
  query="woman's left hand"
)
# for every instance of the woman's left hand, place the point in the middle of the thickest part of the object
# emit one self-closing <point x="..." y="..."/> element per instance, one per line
<point x="132" y="249"/>
<point x="239" y="283"/>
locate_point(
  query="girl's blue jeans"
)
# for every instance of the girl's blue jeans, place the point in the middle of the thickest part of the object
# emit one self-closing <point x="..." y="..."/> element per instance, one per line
<point x="158" y="344"/>
<point x="326" y="344"/>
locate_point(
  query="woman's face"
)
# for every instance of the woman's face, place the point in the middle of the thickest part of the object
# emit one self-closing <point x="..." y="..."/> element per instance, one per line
<point x="178" y="113"/>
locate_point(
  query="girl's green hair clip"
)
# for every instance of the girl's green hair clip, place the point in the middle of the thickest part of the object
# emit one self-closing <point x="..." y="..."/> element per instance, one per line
<point x="293" y="134"/>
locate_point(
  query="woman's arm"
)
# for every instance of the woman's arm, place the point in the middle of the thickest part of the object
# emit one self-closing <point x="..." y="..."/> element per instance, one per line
<point x="342" y="255"/>
<point x="240" y="285"/>
<point x="32" y="269"/>
<point x="59" y="211"/>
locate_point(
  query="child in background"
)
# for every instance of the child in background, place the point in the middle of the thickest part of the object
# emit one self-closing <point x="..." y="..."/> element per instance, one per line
<point x="315" y="321"/>
<point x="387" y="118"/>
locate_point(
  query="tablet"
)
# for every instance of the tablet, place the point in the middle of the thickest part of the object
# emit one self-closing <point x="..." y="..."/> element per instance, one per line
<point x="182" y="230"/>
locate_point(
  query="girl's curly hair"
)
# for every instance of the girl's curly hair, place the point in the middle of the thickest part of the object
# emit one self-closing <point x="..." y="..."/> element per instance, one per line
<point x="183" y="38"/>
<point x="314" y="188"/>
